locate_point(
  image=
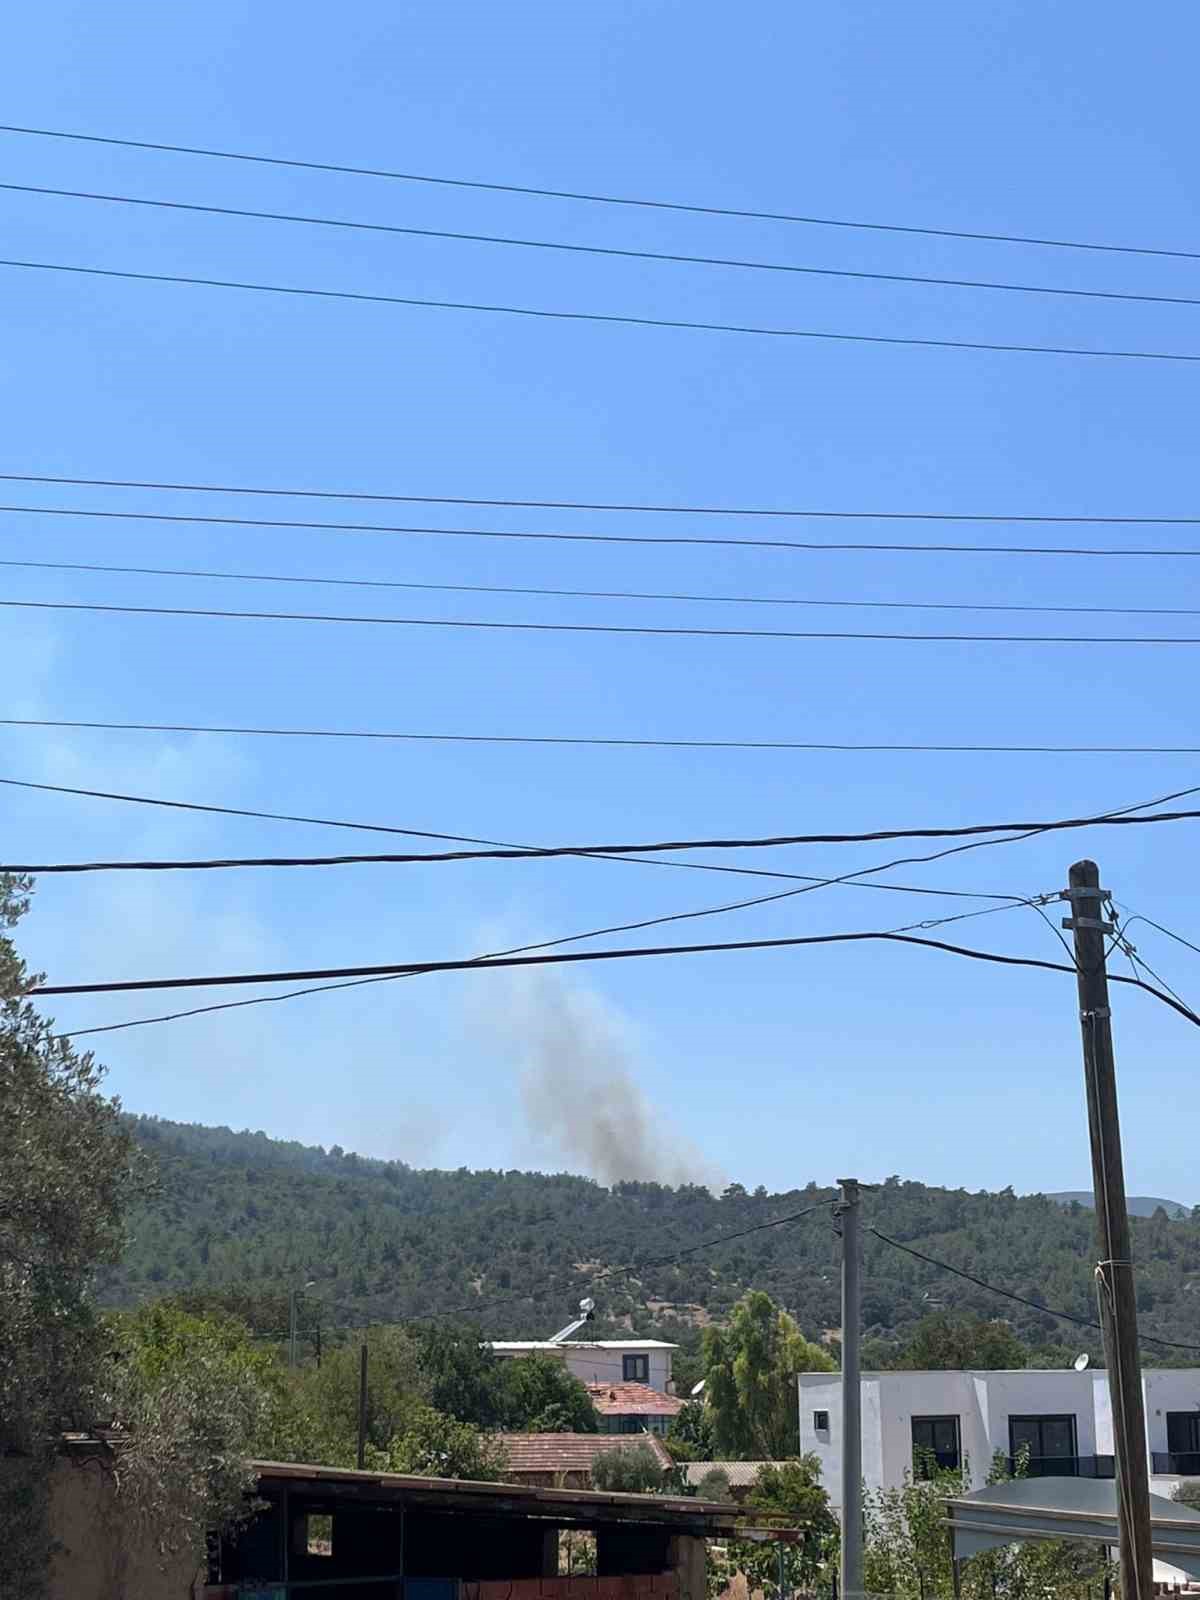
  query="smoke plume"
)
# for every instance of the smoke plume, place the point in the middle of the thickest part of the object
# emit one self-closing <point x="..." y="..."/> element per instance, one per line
<point x="577" y="1075"/>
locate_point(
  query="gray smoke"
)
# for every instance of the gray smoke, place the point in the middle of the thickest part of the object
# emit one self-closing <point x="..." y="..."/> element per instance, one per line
<point x="576" y="1061"/>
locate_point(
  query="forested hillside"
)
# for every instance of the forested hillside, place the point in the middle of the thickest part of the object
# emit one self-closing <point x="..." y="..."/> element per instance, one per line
<point x="386" y="1241"/>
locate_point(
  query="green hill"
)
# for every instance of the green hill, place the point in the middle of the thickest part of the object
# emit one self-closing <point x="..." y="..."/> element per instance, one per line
<point x="1140" y="1205"/>
<point x="386" y="1241"/>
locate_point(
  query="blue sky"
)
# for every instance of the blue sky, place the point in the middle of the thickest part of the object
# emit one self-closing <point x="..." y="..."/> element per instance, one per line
<point x="771" y="1068"/>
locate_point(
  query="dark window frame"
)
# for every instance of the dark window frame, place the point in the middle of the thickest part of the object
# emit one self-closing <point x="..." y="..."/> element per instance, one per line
<point x="635" y="1368"/>
<point x="821" y="1421"/>
<point x="932" y="1449"/>
<point x="1037" y="1458"/>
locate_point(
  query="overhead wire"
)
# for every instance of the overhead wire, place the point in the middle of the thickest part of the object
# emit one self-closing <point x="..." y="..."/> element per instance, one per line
<point x="596" y="198"/>
<point x="606" y="318"/>
<point x="222" y="980"/>
<point x="600" y="505"/>
<point x="938" y="855"/>
<point x="294" y="994"/>
<point x="599" y="594"/>
<point x="1008" y="1294"/>
<point x="1127" y="817"/>
<point x="641" y="630"/>
<point x="810" y="745"/>
<point x="612" y="251"/>
<point x="569" y="537"/>
<point x="461" y="838"/>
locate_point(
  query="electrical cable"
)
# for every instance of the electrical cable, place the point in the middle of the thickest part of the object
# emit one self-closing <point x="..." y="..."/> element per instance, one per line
<point x="613" y="743"/>
<point x="559" y="536"/>
<point x="1008" y="1294"/>
<point x="595" y="199"/>
<point x="591" y="505"/>
<point x="606" y="317"/>
<point x="640" y="630"/>
<point x="671" y="257"/>
<point x="295" y="994"/>
<point x="460" y="838"/>
<point x="1124" y="818"/>
<point x="602" y="594"/>
<point x="227" y="979"/>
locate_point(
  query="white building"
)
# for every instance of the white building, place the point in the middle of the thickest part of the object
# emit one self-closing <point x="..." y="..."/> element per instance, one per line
<point x="602" y="1360"/>
<point x="964" y="1419"/>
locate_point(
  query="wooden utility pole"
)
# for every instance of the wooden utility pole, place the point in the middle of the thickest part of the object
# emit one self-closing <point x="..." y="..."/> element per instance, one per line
<point x="1114" y="1272"/>
<point x="362" y="1408"/>
<point x="852" y="1511"/>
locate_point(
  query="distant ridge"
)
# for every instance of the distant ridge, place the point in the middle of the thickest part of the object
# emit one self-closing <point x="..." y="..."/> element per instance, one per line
<point x="1140" y="1205"/>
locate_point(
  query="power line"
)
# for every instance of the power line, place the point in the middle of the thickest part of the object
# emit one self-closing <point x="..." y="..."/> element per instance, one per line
<point x="602" y="594"/>
<point x="559" y="536"/>
<point x="1007" y="1294"/>
<point x="462" y="838"/>
<point x="637" y="630"/>
<point x="885" y="866"/>
<point x="588" y="505"/>
<point x="474" y="963"/>
<point x="612" y="743"/>
<point x="598" y="199"/>
<point x="671" y="257"/>
<point x="606" y="317"/>
<point x="1125" y="818"/>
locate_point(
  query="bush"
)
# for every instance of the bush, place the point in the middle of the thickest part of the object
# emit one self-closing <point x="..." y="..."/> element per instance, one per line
<point x="714" y="1485"/>
<point x="632" y="1469"/>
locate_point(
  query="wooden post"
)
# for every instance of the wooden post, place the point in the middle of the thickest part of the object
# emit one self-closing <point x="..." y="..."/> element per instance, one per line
<point x="362" y="1407"/>
<point x="1114" y="1271"/>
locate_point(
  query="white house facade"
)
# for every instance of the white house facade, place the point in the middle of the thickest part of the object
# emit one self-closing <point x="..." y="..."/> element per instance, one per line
<point x="1061" y="1419"/>
<point x="596" y="1361"/>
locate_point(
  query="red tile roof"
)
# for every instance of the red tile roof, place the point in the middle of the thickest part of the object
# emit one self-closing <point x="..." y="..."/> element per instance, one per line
<point x="569" y="1452"/>
<point x="632" y="1399"/>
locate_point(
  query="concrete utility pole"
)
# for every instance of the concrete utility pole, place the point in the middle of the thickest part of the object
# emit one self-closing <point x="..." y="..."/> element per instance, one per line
<point x="852" y="1511"/>
<point x="1114" y="1273"/>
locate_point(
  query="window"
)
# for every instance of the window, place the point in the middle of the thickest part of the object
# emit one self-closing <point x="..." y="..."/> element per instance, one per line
<point x="1183" y="1442"/>
<point x="821" y="1421"/>
<point x="1050" y="1442"/>
<point x="630" y="1424"/>
<point x="636" y="1369"/>
<point x="935" y="1443"/>
<point x="318" y="1534"/>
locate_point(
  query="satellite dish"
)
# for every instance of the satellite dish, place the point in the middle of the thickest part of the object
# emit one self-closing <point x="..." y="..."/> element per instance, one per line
<point x="697" y="1388"/>
<point x="1082" y="1362"/>
<point x="587" y="1306"/>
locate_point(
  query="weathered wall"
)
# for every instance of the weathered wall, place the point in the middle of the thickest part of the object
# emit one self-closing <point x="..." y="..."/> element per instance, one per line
<point x="98" y="1560"/>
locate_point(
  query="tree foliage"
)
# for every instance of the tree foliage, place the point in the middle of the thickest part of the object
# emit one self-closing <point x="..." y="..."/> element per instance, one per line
<point x="942" y="1343"/>
<point x="539" y="1395"/>
<point x="194" y="1401"/>
<point x="246" y="1213"/>
<point x="750" y="1380"/>
<point x="631" y="1469"/>
<point x="788" y="1494"/>
<point x="67" y="1169"/>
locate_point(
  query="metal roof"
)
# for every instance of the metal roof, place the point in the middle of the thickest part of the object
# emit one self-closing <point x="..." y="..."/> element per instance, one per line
<point x="586" y="1507"/>
<point x="581" y="1344"/>
<point x="1035" y="1509"/>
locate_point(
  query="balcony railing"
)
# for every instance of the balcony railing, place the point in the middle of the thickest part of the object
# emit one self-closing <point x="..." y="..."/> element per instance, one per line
<point x="926" y="1462"/>
<point x="1063" y="1466"/>
<point x="1179" y="1463"/>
